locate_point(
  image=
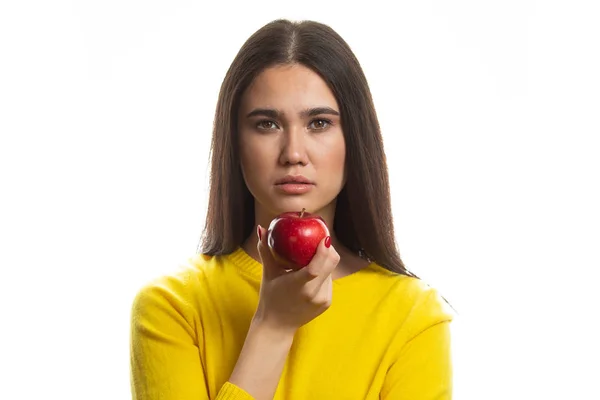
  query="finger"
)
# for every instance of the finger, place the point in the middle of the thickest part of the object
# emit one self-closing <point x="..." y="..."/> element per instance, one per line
<point x="321" y="266"/>
<point x="324" y="296"/>
<point x="271" y="268"/>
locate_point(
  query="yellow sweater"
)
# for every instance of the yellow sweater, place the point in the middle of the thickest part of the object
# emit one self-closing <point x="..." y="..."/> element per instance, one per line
<point x="385" y="336"/>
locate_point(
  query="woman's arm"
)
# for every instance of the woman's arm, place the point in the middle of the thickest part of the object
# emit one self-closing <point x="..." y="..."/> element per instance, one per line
<point x="261" y="360"/>
<point x="287" y="301"/>
<point x="163" y="351"/>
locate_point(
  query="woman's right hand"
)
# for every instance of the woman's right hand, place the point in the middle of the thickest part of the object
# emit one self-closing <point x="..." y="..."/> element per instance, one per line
<point x="289" y="300"/>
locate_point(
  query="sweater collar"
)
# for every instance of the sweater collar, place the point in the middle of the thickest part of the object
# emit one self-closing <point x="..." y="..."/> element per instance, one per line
<point x="246" y="264"/>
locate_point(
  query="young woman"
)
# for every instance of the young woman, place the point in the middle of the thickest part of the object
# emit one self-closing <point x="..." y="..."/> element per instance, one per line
<point x="295" y="128"/>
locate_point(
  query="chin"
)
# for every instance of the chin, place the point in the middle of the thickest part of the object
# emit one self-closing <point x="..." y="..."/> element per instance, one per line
<point x="297" y="203"/>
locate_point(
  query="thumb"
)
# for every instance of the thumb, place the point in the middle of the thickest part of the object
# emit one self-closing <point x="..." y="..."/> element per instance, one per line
<point x="271" y="268"/>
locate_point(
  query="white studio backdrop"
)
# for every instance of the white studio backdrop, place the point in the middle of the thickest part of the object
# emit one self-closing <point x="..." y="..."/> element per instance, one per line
<point x="489" y="112"/>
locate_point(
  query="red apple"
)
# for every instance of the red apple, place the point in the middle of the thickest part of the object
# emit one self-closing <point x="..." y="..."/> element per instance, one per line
<point x="293" y="238"/>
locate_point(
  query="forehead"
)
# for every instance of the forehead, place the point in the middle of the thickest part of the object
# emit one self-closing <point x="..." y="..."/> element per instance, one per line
<point x="289" y="86"/>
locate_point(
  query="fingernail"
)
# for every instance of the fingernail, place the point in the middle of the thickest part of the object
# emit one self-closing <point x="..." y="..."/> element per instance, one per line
<point x="259" y="233"/>
<point x="328" y="241"/>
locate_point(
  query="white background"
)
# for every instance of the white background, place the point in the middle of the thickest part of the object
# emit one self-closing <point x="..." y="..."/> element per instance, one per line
<point x="490" y="115"/>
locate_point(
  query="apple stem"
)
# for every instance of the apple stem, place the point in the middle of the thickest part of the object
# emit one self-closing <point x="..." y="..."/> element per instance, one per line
<point x="302" y="212"/>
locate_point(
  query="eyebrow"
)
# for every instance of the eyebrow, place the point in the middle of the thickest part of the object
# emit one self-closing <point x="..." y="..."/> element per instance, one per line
<point x="309" y="112"/>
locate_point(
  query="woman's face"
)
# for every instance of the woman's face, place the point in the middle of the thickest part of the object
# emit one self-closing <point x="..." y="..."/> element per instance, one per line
<point x="289" y="125"/>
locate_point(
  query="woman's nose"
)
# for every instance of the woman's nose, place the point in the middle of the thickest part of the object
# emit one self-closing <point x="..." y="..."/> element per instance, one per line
<point x="293" y="147"/>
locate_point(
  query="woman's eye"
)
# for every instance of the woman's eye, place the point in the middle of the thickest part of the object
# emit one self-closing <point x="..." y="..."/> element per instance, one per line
<point x="320" y="124"/>
<point x="266" y="125"/>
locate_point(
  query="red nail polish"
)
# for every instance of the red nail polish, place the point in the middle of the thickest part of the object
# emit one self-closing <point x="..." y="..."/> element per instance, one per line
<point x="328" y="241"/>
<point x="259" y="233"/>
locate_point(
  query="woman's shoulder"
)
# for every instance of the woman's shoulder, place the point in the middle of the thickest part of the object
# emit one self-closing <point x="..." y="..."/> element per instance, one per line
<point x="420" y="303"/>
<point x="180" y="284"/>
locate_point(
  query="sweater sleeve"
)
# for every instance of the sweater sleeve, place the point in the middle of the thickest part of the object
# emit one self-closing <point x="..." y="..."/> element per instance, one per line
<point x="164" y="351"/>
<point x="423" y="368"/>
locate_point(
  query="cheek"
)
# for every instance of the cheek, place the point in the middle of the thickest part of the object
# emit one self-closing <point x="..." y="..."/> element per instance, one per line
<point x="253" y="161"/>
<point x="247" y="163"/>
<point x="245" y="160"/>
<point x="333" y="156"/>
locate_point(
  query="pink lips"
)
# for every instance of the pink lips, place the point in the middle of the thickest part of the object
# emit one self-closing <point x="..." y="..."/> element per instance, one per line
<point x="294" y="184"/>
<point x="294" y="179"/>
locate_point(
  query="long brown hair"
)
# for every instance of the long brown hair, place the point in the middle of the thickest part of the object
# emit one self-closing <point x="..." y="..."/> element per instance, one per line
<point x="363" y="217"/>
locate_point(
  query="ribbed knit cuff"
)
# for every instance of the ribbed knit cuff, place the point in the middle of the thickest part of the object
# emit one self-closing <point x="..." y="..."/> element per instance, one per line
<point x="229" y="391"/>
